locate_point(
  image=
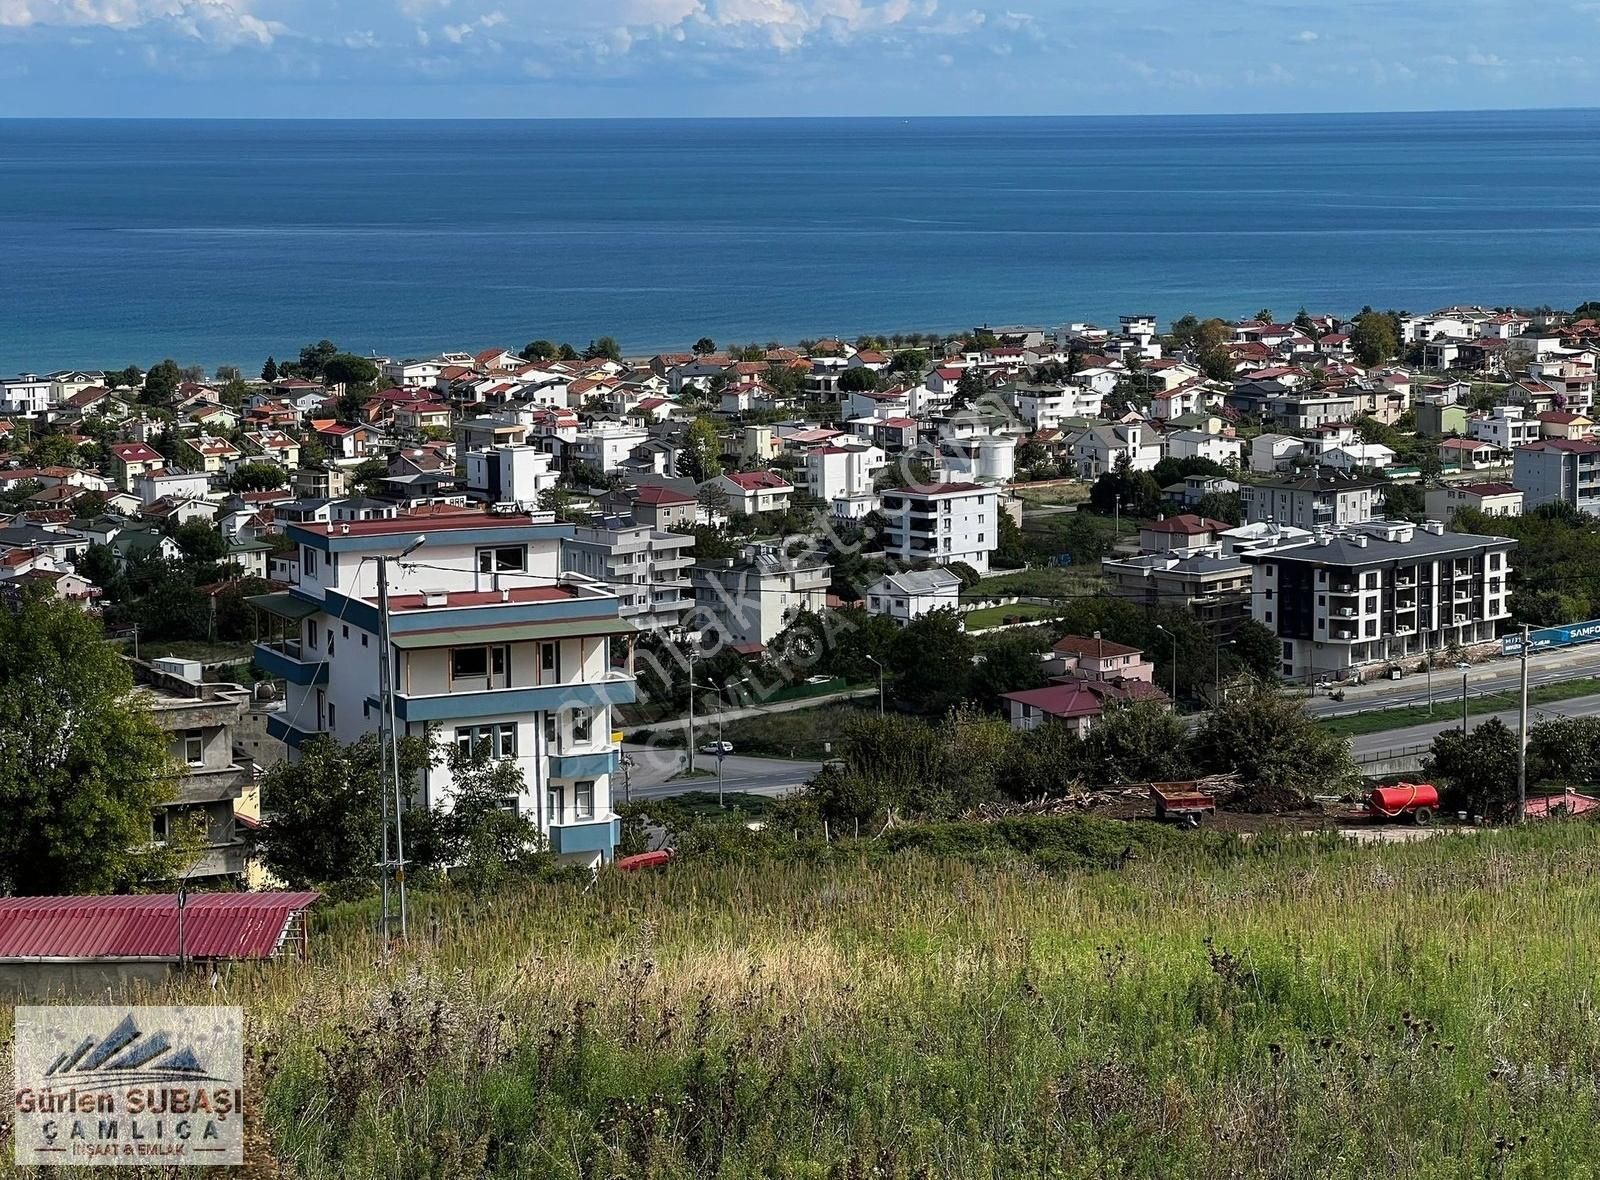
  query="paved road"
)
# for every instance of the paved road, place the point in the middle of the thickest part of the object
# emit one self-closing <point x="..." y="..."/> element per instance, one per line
<point x="654" y="765"/>
<point x="1483" y="679"/>
<point x="1418" y="735"/>
<point x="705" y="718"/>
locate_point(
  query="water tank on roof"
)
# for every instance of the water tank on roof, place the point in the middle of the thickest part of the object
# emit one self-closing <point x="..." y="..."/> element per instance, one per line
<point x="189" y="670"/>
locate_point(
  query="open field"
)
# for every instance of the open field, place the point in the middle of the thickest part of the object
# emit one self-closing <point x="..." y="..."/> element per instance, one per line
<point x="994" y="616"/>
<point x="963" y="1002"/>
<point x="1044" y="582"/>
<point x="1076" y="492"/>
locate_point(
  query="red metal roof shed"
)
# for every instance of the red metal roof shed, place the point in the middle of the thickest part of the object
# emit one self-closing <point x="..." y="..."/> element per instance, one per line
<point x="145" y="926"/>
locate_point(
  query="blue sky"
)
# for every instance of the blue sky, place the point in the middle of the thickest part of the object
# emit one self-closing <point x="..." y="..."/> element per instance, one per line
<point x="531" y="58"/>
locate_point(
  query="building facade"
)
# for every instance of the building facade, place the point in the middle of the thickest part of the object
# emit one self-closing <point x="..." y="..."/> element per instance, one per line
<point x="746" y="601"/>
<point x="941" y="524"/>
<point x="1557" y="469"/>
<point x="491" y="645"/>
<point x="646" y="568"/>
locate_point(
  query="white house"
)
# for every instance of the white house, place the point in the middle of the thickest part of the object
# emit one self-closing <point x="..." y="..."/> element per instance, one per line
<point x="1505" y="428"/>
<point x="1103" y="448"/>
<point x="171" y="485"/>
<point x="913" y="593"/>
<point x="838" y="472"/>
<point x="1354" y="456"/>
<point x="751" y="492"/>
<point x="604" y="446"/>
<point x="1197" y="444"/>
<point x="1273" y="452"/>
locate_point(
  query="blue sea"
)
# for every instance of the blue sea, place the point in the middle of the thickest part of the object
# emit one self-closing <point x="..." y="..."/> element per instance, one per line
<point x="221" y="242"/>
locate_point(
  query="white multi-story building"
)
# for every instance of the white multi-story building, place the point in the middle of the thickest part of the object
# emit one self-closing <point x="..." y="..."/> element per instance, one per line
<point x="604" y="446"/>
<point x="746" y="602"/>
<point x="842" y="472"/>
<point x="1045" y="406"/>
<point x="513" y="473"/>
<point x="1376" y="592"/>
<point x="941" y="524"/>
<point x="1506" y="428"/>
<point x="647" y="569"/>
<point x="491" y="646"/>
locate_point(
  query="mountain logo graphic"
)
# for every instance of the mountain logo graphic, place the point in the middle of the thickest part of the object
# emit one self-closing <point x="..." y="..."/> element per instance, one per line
<point x="126" y="1054"/>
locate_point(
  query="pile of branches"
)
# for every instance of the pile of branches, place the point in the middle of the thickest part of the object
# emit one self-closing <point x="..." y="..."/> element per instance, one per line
<point x="1054" y="804"/>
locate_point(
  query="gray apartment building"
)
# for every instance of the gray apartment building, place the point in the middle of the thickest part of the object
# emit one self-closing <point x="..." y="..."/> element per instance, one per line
<point x="1558" y="469"/>
<point x="1324" y="500"/>
<point x="646" y="568"/>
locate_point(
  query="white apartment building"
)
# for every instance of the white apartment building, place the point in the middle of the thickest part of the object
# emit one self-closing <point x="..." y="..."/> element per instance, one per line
<point x="647" y="569"/>
<point x="1199" y="444"/>
<point x="1506" y="428"/>
<point x="1046" y="406"/>
<point x="604" y="446"/>
<point x="511" y="473"/>
<point x="1378" y="591"/>
<point x="942" y="523"/>
<point x="842" y="472"/>
<point x="746" y="602"/>
<point x="491" y="645"/>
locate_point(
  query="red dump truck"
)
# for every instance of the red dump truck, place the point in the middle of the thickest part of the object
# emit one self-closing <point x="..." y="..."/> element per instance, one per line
<point x="1418" y="802"/>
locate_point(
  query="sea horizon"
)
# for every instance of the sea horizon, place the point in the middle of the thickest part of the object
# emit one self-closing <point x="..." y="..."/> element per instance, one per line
<point x="255" y="236"/>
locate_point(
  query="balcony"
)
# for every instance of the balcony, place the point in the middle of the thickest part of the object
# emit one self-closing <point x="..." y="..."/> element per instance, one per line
<point x="573" y="766"/>
<point x="278" y="727"/>
<point x="288" y="660"/>
<point x="595" y="835"/>
<point x="617" y="688"/>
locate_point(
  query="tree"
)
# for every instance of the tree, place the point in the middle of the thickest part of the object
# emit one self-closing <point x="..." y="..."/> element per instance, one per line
<point x="269" y="371"/>
<point x="566" y="353"/>
<point x="1010" y="663"/>
<point x="1267" y="739"/>
<point x="909" y="360"/>
<point x="1374" y="338"/>
<point x="1223" y="506"/>
<point x="349" y="370"/>
<point x="1480" y="767"/>
<point x="932" y="661"/>
<point x="1137" y="493"/>
<point x="1404" y="501"/>
<point x="82" y="762"/>
<point x="314" y="357"/>
<point x="1217" y="363"/>
<point x="327" y="808"/>
<point x="969" y="388"/>
<point x="484" y="842"/>
<point x="256" y="477"/>
<point x="200" y="541"/>
<point x="227" y="373"/>
<point x="1264" y="315"/>
<point x="713" y="500"/>
<point x="701" y="458"/>
<point x="704" y="346"/>
<point x="1012" y="550"/>
<point x="1135" y="742"/>
<point x="161" y="382"/>
<point x="604" y="348"/>
<point x="538" y="350"/>
<point x="858" y="380"/>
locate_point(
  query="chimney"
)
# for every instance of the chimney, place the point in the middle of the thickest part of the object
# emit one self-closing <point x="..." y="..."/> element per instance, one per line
<point x="1359" y="540"/>
<point x="1433" y="527"/>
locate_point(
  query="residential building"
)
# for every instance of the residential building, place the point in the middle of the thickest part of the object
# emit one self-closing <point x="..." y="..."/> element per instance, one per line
<point x="1321" y="500"/>
<point x="752" y="492"/>
<point x="492" y="647"/>
<point x="170" y="484"/>
<point x="210" y="454"/>
<point x="1091" y="657"/>
<point x="1559" y="469"/>
<point x="646" y="568"/>
<point x="1376" y="592"/>
<point x="1273" y="452"/>
<point x="130" y="460"/>
<point x="1077" y="704"/>
<point x="1436" y="419"/>
<point x="216" y="795"/>
<point x="1491" y="499"/>
<point x="942" y="524"/>
<point x="1104" y="448"/>
<point x="1468" y="454"/>
<point x="1192" y="444"/>
<point x="1505" y="428"/>
<point x="1044" y="405"/>
<point x="744" y="602"/>
<point x="509" y="473"/>
<point x="1565" y="424"/>
<point x="660" y="507"/>
<point x="842" y="472"/>
<point x="604" y="446"/>
<point x="1357" y="456"/>
<point x="911" y="594"/>
<point x="1186" y="533"/>
<point x="1212" y="586"/>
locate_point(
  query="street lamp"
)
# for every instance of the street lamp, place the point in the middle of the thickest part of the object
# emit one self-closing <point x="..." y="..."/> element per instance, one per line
<point x="873" y="661"/>
<point x="1217" y="667"/>
<point x="1174" y="639"/>
<point x="1465" y="668"/>
<point x="721" y="753"/>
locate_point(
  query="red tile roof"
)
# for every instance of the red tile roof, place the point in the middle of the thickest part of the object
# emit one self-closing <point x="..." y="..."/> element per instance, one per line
<point x="754" y="481"/>
<point x="134" y="452"/>
<point x="216" y="925"/>
<point x="1080" y="645"/>
<point x="662" y="496"/>
<point x="1187" y="524"/>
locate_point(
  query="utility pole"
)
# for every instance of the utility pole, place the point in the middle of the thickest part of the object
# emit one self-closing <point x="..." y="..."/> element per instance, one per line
<point x="691" y="713"/>
<point x="1522" y="735"/>
<point x="389" y="748"/>
<point x="879" y="667"/>
<point x="1174" y="639"/>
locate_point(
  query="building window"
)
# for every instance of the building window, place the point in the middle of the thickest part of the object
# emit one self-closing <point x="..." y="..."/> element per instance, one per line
<point x="549" y="658"/>
<point x="1288" y="650"/>
<point x="330" y="641"/>
<point x="194" y="747"/>
<point x="500" y="740"/>
<point x="158" y="826"/>
<point x="555" y="804"/>
<point x="582" y="724"/>
<point x="551" y="731"/>
<point x="363" y="639"/>
<point x="469" y="663"/>
<point x="506" y="559"/>
<point x="583" y="799"/>
<point x="308" y="561"/>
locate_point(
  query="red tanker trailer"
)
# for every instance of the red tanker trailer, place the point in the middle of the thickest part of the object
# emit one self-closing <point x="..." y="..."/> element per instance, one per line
<point x="1418" y="802"/>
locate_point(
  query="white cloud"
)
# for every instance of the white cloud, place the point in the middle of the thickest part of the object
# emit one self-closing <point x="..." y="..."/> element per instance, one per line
<point x="221" y="22"/>
<point x="1306" y="36"/>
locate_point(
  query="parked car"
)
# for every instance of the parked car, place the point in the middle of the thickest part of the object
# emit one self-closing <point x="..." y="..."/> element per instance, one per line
<point x="720" y="749"/>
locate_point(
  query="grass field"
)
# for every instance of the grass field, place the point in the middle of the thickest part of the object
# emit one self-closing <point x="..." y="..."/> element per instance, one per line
<point x="797" y="733"/>
<point x="1067" y="493"/>
<point x="994" y="616"/>
<point x="1446" y="706"/>
<point x="1286" y="1009"/>
<point x="1045" y="582"/>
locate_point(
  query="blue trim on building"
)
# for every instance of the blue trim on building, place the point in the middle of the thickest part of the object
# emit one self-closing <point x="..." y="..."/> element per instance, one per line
<point x="508" y="533"/>
<point x="364" y="615"/>
<point x="294" y="738"/>
<point x="277" y="664"/>
<point x="584" y="765"/>
<point x="602" y="836"/>
<point x="501" y="702"/>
